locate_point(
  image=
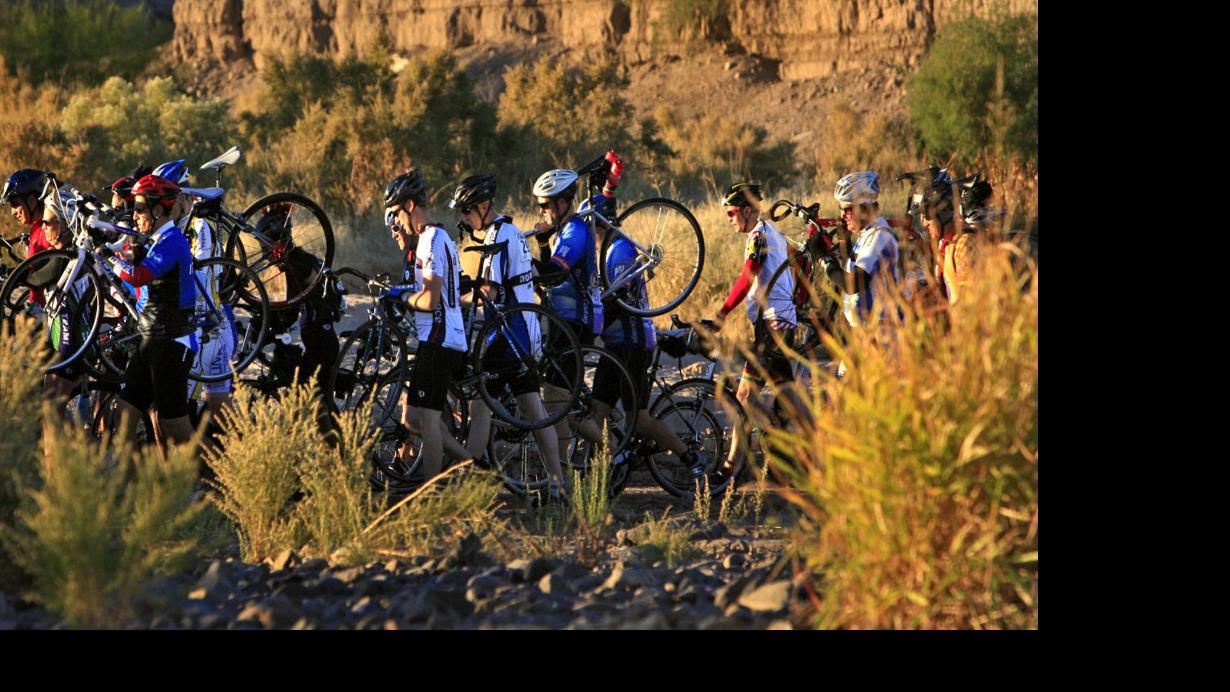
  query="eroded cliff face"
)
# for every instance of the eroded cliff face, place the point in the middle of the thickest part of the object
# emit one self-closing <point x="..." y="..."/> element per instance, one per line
<point x="807" y="38"/>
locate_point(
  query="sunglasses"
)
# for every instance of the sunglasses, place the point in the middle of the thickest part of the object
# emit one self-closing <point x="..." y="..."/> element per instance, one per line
<point x="846" y="210"/>
<point x="546" y="205"/>
<point x="466" y="211"/>
<point x="732" y="213"/>
<point x="142" y="208"/>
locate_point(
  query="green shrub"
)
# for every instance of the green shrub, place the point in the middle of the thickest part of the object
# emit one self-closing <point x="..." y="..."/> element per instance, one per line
<point x="119" y="125"/>
<point x="553" y="116"/>
<point x="978" y="88"/>
<point x="264" y="442"/>
<point x="79" y="41"/>
<point x="718" y="150"/>
<point x="702" y="19"/>
<point x="102" y="521"/>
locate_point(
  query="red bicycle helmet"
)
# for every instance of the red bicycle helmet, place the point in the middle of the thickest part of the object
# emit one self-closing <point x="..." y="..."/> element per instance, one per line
<point x="156" y="190"/>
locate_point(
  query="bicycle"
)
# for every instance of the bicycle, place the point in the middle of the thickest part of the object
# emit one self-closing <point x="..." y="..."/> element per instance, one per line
<point x="691" y="409"/>
<point x="299" y="224"/>
<point x="103" y="322"/>
<point x="659" y="229"/>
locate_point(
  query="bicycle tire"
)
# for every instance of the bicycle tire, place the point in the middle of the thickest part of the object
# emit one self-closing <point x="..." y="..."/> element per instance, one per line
<point x="377" y="367"/>
<point x="241" y="294"/>
<point x="671" y="229"/>
<point x="272" y="262"/>
<point x="698" y="396"/>
<point x="580" y="450"/>
<point x="492" y="341"/>
<point x="16" y="295"/>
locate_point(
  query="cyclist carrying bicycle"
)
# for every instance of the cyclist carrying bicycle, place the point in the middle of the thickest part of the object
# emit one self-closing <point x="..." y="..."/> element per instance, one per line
<point x="432" y="257"/>
<point x="509" y="277"/>
<point x="217" y="341"/>
<point x="772" y="315"/>
<point x="632" y="341"/>
<point x="874" y="257"/>
<point x="161" y="270"/>
<point x="567" y="263"/>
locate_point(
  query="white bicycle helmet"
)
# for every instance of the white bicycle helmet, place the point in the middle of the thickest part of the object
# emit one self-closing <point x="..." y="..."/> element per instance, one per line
<point x="556" y="182"/>
<point x="62" y="204"/>
<point x="862" y="187"/>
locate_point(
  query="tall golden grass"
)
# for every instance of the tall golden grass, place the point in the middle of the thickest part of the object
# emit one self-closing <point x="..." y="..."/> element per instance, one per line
<point x="918" y="485"/>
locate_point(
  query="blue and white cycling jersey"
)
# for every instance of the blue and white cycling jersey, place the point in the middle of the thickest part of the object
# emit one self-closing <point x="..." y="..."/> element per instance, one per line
<point x="513" y="270"/>
<point x="621" y="328"/>
<point x="578" y="298"/>
<point x="875" y="252"/>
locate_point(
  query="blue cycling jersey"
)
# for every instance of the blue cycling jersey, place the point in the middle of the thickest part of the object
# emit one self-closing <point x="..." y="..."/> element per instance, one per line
<point x="622" y="328"/>
<point x="577" y="298"/>
<point x="166" y="292"/>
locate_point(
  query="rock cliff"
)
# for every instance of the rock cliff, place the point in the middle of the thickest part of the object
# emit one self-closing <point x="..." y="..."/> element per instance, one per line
<point x="805" y="39"/>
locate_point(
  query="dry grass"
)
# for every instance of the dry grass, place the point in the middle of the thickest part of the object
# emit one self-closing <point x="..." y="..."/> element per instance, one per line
<point x="919" y="485"/>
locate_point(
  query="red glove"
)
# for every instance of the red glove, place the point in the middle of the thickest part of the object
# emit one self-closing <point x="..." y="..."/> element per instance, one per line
<point x="617" y="171"/>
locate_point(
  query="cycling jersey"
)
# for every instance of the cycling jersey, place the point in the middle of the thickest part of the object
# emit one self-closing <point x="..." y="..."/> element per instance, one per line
<point x="37" y="243"/>
<point x="958" y="258"/>
<point x="578" y="298"/>
<point x="436" y="255"/>
<point x="766" y="246"/>
<point x="215" y="322"/>
<point x="622" y="328"/>
<point x="512" y="269"/>
<point x="875" y="252"/>
<point x="164" y="280"/>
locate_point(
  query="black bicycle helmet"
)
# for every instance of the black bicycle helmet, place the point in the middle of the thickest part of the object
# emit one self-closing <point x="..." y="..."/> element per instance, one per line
<point x="23" y="182"/>
<point x="744" y="194"/>
<point x="975" y="191"/>
<point x="475" y="189"/>
<point x="936" y="198"/>
<point x="407" y="186"/>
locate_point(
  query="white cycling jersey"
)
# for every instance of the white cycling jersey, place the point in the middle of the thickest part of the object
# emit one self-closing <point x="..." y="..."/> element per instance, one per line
<point x="875" y="252"/>
<point x="767" y="245"/>
<point x="436" y="255"/>
<point x="218" y="342"/>
<point x="514" y="270"/>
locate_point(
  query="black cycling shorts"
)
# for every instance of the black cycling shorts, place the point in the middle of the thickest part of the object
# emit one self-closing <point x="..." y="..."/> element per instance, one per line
<point x="499" y="360"/>
<point x="608" y="380"/>
<point x="435" y="368"/>
<point x="557" y="342"/>
<point x="157" y="375"/>
<point x="768" y="354"/>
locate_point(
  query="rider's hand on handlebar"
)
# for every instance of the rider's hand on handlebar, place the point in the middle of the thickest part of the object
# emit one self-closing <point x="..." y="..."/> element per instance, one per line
<point x="713" y="324"/>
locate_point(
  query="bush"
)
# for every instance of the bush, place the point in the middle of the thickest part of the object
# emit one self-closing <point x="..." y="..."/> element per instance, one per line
<point x="21" y="382"/>
<point x="696" y="19"/>
<point x="978" y="88"/>
<point x="919" y="484"/>
<point x="853" y="141"/>
<point x="103" y="521"/>
<point x="552" y="116"/>
<point x="79" y="41"/>
<point x="119" y="125"/>
<point x="724" y="152"/>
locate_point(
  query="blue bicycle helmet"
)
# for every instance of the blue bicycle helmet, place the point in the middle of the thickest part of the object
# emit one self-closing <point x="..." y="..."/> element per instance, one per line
<point x="175" y="171"/>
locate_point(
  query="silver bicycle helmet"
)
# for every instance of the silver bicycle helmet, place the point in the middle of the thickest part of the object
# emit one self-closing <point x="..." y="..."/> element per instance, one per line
<point x="555" y="183"/>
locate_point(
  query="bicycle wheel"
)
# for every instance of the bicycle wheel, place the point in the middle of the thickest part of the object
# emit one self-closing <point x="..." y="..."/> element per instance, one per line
<point x="237" y="298"/>
<point x="372" y="365"/>
<point x="389" y="468"/>
<point x="502" y="352"/>
<point x="84" y="296"/>
<point x="620" y="429"/>
<point x="293" y="251"/>
<point x="671" y="253"/>
<point x="705" y="424"/>
<point x="514" y="454"/>
<point x="107" y="420"/>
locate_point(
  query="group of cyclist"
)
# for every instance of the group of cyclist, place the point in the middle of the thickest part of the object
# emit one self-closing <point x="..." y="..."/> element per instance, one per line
<point x="158" y="267"/>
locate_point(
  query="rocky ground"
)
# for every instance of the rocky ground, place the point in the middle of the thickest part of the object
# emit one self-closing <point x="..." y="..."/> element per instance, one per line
<point x="737" y="580"/>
